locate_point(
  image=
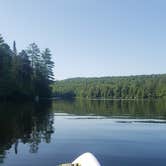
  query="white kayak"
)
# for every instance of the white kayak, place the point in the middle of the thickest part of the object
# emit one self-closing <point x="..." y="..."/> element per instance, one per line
<point x="86" y="159"/>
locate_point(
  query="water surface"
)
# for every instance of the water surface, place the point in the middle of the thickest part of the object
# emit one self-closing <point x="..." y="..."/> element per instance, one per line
<point x="49" y="133"/>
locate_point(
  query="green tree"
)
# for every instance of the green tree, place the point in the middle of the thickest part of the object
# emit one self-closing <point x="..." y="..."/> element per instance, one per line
<point x="48" y="64"/>
<point x="33" y="52"/>
<point x="25" y="74"/>
<point x="1" y="40"/>
<point x="14" y="48"/>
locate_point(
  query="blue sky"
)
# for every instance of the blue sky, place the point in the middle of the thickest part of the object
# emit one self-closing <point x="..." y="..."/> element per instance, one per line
<point x="91" y="37"/>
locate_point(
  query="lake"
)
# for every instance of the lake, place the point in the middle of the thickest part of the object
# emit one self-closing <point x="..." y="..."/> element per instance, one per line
<point x="117" y="132"/>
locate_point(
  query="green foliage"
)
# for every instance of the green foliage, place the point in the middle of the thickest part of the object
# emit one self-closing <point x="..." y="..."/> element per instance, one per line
<point x="132" y="87"/>
<point x="1" y="39"/>
<point x="26" y="74"/>
<point x="14" y="48"/>
<point x="48" y="64"/>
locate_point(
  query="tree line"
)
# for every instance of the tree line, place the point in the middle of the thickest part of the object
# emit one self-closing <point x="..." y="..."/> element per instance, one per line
<point x="129" y="87"/>
<point x="25" y="74"/>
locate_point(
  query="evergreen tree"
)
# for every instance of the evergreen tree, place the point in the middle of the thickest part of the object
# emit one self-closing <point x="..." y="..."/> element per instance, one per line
<point x="34" y="54"/>
<point x="26" y="74"/>
<point x="14" y="48"/>
<point x="48" y="64"/>
<point x="1" y="39"/>
<point x="5" y="69"/>
<point x="16" y="71"/>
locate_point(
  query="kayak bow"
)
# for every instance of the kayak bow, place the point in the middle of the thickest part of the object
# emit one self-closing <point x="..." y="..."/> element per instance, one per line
<point x="86" y="159"/>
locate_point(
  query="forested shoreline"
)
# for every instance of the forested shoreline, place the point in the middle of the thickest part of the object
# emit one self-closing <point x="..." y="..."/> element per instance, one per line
<point x="26" y="74"/>
<point x="128" y="87"/>
<point x="29" y="73"/>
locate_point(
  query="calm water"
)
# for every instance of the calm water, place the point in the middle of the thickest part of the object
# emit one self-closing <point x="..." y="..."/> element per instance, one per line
<point x="49" y="133"/>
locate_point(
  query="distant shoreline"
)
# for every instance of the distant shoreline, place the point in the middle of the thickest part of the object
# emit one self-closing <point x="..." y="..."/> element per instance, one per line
<point x="112" y="88"/>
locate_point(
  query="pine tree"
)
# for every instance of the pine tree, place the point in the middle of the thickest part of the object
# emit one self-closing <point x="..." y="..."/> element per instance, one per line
<point x="48" y="63"/>
<point x="26" y="74"/>
<point x="1" y="39"/>
<point x="14" y="48"/>
<point x="5" y="69"/>
<point x="16" y="70"/>
<point x="34" y="54"/>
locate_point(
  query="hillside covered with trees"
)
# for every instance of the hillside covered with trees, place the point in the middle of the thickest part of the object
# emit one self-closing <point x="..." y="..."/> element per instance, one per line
<point x="129" y="87"/>
<point x="25" y="74"/>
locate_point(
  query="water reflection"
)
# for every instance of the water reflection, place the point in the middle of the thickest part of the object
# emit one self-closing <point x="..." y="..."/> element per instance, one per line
<point x="28" y="123"/>
<point x="115" y="108"/>
<point x="26" y="126"/>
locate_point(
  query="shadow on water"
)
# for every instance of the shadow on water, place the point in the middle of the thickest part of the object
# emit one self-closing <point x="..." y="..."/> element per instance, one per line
<point x="28" y="123"/>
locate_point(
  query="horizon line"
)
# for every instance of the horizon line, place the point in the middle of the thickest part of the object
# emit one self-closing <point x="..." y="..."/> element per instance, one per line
<point x="131" y="75"/>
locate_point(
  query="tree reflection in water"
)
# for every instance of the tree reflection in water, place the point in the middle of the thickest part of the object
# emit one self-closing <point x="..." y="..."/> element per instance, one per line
<point x="28" y="123"/>
<point x="130" y="108"/>
<point x="32" y="123"/>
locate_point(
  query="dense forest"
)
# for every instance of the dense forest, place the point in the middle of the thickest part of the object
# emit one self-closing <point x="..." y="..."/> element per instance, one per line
<point x="25" y="74"/>
<point x="129" y="87"/>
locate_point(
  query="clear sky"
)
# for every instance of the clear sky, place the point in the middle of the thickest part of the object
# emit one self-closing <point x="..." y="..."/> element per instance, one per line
<point x="91" y="37"/>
